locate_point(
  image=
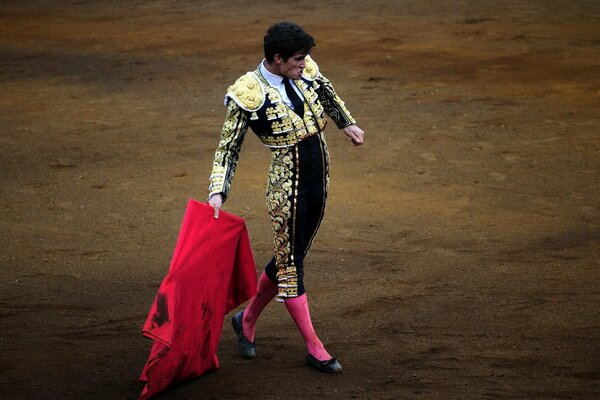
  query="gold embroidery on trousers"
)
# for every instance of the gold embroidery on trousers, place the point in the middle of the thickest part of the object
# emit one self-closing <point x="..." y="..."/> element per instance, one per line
<point x="279" y="193"/>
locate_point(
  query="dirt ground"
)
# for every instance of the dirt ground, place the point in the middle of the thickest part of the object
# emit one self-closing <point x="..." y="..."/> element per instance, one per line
<point x="459" y="256"/>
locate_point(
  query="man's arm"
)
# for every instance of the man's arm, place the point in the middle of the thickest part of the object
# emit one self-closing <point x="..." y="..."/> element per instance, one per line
<point x="332" y="104"/>
<point x="337" y="111"/>
<point x="227" y="154"/>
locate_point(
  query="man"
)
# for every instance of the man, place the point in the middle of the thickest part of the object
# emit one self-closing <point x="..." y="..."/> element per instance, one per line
<point x="284" y="101"/>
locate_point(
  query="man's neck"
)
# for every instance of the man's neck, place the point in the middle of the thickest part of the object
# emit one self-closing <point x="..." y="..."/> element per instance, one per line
<point x="272" y="68"/>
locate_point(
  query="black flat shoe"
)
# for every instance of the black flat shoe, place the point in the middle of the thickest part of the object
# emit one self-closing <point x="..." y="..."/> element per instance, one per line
<point x="329" y="366"/>
<point x="246" y="348"/>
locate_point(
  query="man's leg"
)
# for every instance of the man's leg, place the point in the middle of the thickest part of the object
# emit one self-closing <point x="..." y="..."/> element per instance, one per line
<point x="306" y="206"/>
<point x="267" y="289"/>
<point x="298" y="309"/>
<point x="310" y="205"/>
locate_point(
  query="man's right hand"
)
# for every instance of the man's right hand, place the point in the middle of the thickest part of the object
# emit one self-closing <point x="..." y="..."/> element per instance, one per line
<point x="216" y="201"/>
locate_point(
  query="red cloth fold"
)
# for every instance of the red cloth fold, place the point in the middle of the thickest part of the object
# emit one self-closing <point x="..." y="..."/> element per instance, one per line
<point x="212" y="272"/>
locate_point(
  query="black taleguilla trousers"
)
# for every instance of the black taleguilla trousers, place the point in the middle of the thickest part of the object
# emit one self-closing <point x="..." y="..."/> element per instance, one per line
<point x="305" y="175"/>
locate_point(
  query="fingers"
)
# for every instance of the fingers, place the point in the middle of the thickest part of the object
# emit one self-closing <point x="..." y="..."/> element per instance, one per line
<point x="216" y="201"/>
<point x="358" y="137"/>
<point x="357" y="140"/>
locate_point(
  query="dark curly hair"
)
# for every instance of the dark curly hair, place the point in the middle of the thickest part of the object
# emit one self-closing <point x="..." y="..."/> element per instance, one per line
<point x="286" y="38"/>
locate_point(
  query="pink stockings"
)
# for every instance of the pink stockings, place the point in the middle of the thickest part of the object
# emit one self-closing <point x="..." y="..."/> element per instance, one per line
<point x="298" y="309"/>
<point x="267" y="289"/>
<point x="296" y="306"/>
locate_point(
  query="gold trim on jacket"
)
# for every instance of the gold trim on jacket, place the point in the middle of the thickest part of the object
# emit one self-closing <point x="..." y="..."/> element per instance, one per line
<point x="252" y="102"/>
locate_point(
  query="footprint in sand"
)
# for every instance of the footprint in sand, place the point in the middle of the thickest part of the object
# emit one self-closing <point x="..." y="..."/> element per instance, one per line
<point x="512" y="157"/>
<point x="498" y="176"/>
<point x="429" y="157"/>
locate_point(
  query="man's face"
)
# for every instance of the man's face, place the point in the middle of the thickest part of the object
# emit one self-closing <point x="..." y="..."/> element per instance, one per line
<point x="293" y="66"/>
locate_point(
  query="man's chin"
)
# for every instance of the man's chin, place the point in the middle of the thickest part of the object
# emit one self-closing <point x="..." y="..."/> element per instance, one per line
<point x="294" y="76"/>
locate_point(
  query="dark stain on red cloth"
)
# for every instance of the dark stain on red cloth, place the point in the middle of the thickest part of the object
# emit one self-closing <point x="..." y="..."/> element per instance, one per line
<point x="162" y="310"/>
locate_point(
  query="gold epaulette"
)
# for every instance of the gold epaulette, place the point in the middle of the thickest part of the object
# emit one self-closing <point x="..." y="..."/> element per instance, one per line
<point x="247" y="92"/>
<point x="311" y="71"/>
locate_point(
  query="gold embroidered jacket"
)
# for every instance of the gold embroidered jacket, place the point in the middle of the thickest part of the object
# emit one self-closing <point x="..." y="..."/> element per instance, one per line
<point x="252" y="102"/>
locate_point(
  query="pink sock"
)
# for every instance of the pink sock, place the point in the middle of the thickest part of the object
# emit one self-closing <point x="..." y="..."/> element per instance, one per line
<point x="267" y="289"/>
<point x="298" y="309"/>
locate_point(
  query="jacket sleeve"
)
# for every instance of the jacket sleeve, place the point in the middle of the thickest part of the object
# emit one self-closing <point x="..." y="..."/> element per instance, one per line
<point x="332" y="104"/>
<point x="227" y="153"/>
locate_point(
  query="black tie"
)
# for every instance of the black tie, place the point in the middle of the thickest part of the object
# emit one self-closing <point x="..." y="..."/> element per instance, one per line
<point x="295" y="99"/>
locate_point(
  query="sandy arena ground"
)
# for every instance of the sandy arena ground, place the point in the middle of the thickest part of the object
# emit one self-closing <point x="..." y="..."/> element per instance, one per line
<point x="459" y="257"/>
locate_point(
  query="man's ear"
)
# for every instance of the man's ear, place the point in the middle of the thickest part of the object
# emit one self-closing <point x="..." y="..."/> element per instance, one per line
<point x="278" y="60"/>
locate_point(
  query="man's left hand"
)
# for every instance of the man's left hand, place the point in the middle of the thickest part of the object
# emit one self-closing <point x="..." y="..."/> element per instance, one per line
<point x="355" y="134"/>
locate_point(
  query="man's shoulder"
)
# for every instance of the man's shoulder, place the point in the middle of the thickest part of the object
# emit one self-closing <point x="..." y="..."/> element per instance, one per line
<point x="311" y="71"/>
<point x="247" y="92"/>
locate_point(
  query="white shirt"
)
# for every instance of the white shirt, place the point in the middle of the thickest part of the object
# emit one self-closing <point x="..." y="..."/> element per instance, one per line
<point x="276" y="81"/>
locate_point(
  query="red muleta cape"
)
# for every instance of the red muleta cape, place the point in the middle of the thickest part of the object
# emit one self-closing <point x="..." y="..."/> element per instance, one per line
<point x="212" y="272"/>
